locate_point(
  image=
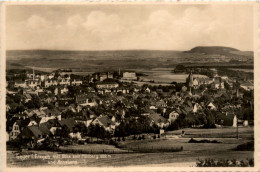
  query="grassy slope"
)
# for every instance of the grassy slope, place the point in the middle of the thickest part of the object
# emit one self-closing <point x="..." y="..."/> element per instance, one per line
<point x="191" y="152"/>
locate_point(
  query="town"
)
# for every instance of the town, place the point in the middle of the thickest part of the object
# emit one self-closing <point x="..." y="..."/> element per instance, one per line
<point x="129" y="85"/>
<point x="49" y="110"/>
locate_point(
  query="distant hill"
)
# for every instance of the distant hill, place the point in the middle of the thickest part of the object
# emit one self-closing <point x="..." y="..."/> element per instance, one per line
<point x="219" y="50"/>
<point x="91" y="55"/>
<point x="125" y="59"/>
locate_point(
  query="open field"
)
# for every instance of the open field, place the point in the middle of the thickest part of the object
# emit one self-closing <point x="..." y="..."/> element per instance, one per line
<point x="188" y="157"/>
<point x="243" y="70"/>
<point x="229" y="132"/>
<point x="141" y="159"/>
<point x="93" y="148"/>
<point x="93" y="61"/>
<point x="164" y="75"/>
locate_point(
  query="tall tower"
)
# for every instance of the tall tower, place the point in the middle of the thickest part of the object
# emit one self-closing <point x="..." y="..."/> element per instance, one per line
<point x="33" y="72"/>
<point x="220" y="83"/>
<point x="237" y="88"/>
<point x="190" y="80"/>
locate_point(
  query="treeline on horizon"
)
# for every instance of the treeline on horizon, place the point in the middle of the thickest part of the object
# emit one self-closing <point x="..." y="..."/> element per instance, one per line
<point x="209" y="50"/>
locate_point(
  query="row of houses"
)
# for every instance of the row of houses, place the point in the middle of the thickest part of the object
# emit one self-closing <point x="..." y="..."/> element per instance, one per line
<point x="40" y="128"/>
<point x="126" y="75"/>
<point x="46" y="83"/>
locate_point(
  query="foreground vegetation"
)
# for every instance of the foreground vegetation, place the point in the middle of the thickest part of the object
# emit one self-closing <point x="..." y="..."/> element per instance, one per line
<point x="225" y="163"/>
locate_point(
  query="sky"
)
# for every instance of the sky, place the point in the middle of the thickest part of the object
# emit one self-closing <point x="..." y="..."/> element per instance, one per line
<point x="124" y="27"/>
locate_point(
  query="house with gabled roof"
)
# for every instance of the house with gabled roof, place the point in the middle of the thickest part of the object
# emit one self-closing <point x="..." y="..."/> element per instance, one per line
<point x="35" y="132"/>
<point x="27" y="97"/>
<point x="105" y="122"/>
<point x="51" y="112"/>
<point x="160" y="103"/>
<point x="7" y="107"/>
<point x="70" y="123"/>
<point x="147" y="90"/>
<point x="211" y="106"/>
<point x="21" y="84"/>
<point x="159" y="120"/>
<point x="76" y="82"/>
<point x="46" y="119"/>
<point x="64" y="82"/>
<point x="86" y="100"/>
<point x="173" y="116"/>
<point x="16" y="129"/>
<point x="33" y="83"/>
<point x="61" y="90"/>
<point x="50" y="82"/>
<point x="107" y="85"/>
<point x="31" y="112"/>
<point x="52" y="125"/>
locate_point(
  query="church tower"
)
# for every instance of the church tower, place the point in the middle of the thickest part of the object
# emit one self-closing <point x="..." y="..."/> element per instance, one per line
<point x="33" y="73"/>
<point x="237" y="88"/>
<point x="190" y="81"/>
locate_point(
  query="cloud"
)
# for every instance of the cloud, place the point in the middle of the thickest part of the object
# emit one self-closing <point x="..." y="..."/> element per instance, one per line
<point x="75" y="21"/>
<point x="35" y="22"/>
<point x="157" y="29"/>
<point x="103" y="25"/>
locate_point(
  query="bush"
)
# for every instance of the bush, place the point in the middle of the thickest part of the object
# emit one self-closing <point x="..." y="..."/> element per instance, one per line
<point x="134" y="137"/>
<point x="154" y="137"/>
<point x="158" y="149"/>
<point x="114" y="143"/>
<point x="225" y="163"/>
<point x="143" y="137"/>
<point x="111" y="142"/>
<point x="123" y="139"/>
<point x="87" y="140"/>
<point x="68" y="142"/>
<point x="203" y="141"/>
<point x="81" y="142"/>
<point x="159" y="136"/>
<point x="249" y="146"/>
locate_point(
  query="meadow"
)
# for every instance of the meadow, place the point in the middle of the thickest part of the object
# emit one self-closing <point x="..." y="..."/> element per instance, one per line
<point x="188" y="157"/>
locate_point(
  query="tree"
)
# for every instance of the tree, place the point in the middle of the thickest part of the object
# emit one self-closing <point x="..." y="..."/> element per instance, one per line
<point x="30" y="104"/>
<point x="20" y="108"/>
<point x="63" y="132"/>
<point x="67" y="114"/>
<point x="52" y="88"/>
<point x="120" y="130"/>
<point x="155" y="129"/>
<point x="50" y="143"/>
<point x="17" y="98"/>
<point x="36" y="101"/>
<point x="91" y="131"/>
<point x="100" y="132"/>
<point x="202" y="119"/>
<point x="202" y="87"/>
<point x="227" y="86"/>
<point x="206" y="98"/>
<point x="50" y="106"/>
<point x="80" y="127"/>
<point x="179" y="68"/>
<point x="73" y="90"/>
<point x="210" y="119"/>
<point x="97" y="131"/>
<point x="57" y="74"/>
